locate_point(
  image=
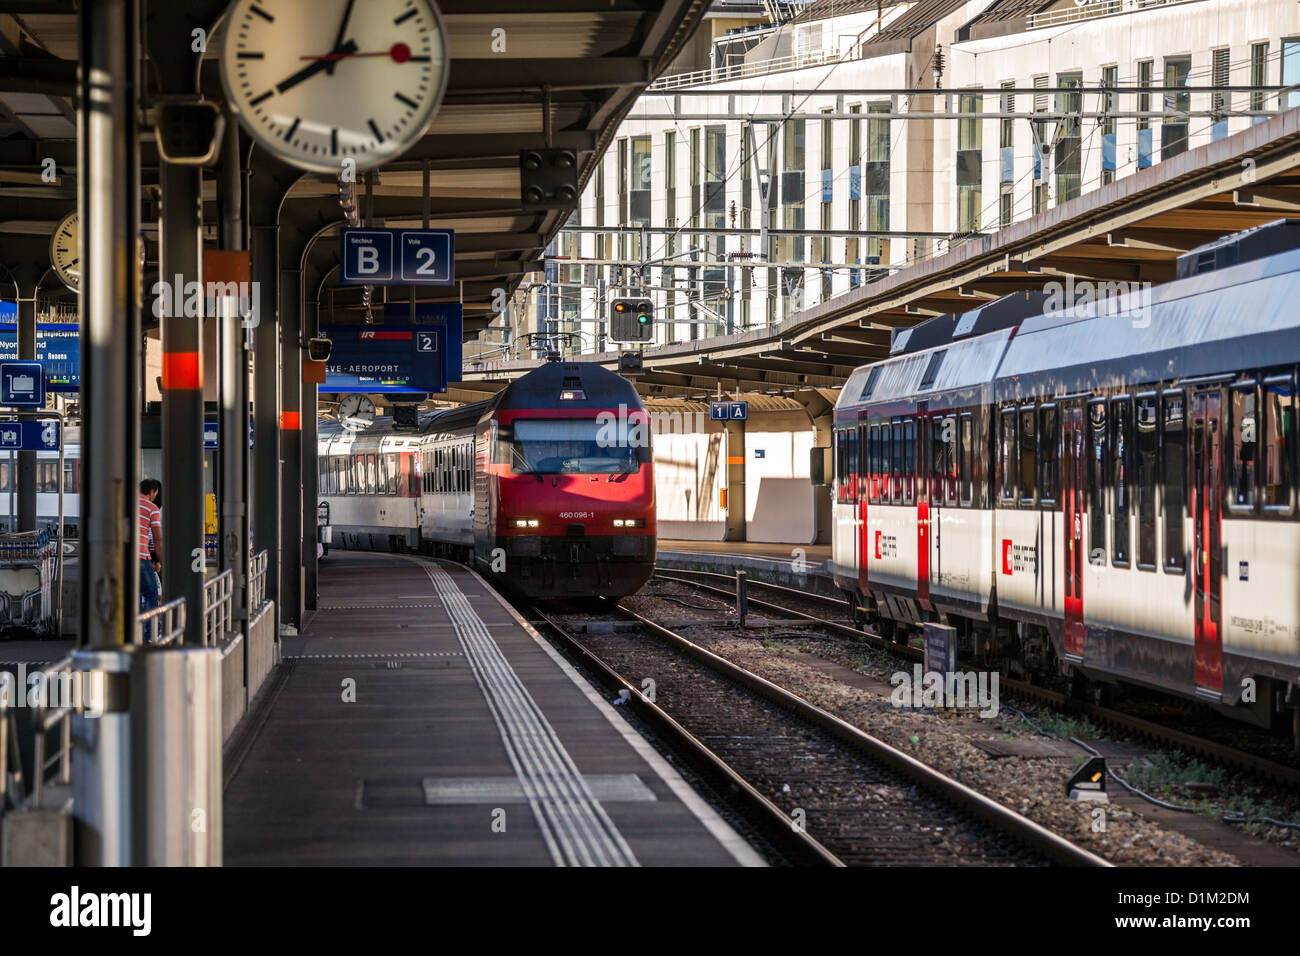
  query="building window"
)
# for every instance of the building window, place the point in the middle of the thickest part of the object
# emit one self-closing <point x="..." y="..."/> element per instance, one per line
<point x="970" y="169"/>
<point x="1145" y="79"/>
<point x="1109" y="80"/>
<point x="1220" y="102"/>
<point x="875" y="172"/>
<point x="1069" y="148"/>
<point x="1291" y="69"/>
<point x="1258" y="77"/>
<point x="1173" y="129"/>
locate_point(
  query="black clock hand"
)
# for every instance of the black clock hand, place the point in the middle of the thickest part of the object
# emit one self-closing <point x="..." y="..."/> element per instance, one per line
<point x="307" y="72"/>
<point x="343" y="27"/>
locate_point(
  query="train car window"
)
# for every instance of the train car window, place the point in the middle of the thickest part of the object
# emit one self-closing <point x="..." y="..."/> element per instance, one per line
<point x="938" y="463"/>
<point x="372" y="475"/>
<point x="1121" y="479"/>
<point x="553" y="446"/>
<point x="393" y="473"/>
<point x="1145" y="447"/>
<point x="966" y="473"/>
<point x="47" y="482"/>
<point x="1243" y="448"/>
<point x="1098" y="443"/>
<point x="1279" y="459"/>
<point x="358" y="482"/>
<point x="1049" y="455"/>
<point x="853" y="464"/>
<point x="896" y="462"/>
<point x="1006" y="459"/>
<point x="71" y="483"/>
<point x="1028" y="454"/>
<point x="864" y="465"/>
<point x="909" y="460"/>
<point x="1174" y="479"/>
<point x="412" y="476"/>
<point x="839" y="464"/>
<point x="952" y="463"/>
<point x="5" y="470"/>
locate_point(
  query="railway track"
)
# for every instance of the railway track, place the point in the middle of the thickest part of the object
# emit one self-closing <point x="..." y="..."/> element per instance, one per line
<point x="784" y="761"/>
<point x="1129" y="724"/>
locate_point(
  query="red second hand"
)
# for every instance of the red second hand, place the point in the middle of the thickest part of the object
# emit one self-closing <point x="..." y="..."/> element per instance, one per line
<point x="399" y="52"/>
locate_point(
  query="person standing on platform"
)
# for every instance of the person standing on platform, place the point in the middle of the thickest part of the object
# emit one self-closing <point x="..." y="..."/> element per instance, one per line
<point x="150" y="548"/>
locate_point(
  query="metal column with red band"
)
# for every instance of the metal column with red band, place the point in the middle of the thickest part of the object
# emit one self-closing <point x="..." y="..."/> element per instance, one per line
<point x="290" y="421"/>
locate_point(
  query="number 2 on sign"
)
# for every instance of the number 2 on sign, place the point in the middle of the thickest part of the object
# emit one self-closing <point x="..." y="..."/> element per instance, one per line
<point x="426" y="257"/>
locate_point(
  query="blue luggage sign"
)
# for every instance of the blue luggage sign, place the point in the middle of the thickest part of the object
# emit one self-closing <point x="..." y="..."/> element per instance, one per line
<point x="398" y="256"/>
<point x="29" y="436"/>
<point x="209" y="435"/>
<point x="22" y="384"/>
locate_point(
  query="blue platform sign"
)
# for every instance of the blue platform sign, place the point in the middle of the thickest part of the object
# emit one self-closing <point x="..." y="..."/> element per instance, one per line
<point x="58" y="348"/>
<point x="29" y="436"/>
<point x="22" y="384"/>
<point x="729" y="411"/>
<point x="209" y="435"/>
<point x="398" y="256"/>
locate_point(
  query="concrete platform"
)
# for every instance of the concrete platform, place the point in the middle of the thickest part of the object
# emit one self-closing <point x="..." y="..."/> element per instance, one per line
<point x="803" y="566"/>
<point x="418" y="721"/>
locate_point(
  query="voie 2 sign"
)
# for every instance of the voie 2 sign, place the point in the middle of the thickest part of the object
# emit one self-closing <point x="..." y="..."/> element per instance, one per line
<point x="398" y="256"/>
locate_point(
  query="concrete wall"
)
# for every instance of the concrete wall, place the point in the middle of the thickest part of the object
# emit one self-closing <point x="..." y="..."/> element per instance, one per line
<point x="779" y="502"/>
<point x="690" y="456"/>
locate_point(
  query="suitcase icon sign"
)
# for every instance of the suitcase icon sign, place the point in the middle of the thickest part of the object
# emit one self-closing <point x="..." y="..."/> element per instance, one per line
<point x="22" y="383"/>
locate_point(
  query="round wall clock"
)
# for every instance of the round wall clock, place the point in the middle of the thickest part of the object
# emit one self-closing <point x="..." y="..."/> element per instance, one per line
<point x="356" y="411"/>
<point x="320" y="82"/>
<point x="65" y="251"/>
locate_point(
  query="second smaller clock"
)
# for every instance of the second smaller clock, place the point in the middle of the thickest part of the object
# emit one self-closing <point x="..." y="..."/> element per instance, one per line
<point x="65" y="251"/>
<point x="356" y="411"/>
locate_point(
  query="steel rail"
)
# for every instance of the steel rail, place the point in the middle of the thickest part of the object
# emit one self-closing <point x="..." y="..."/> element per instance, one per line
<point x="1106" y="716"/>
<point x="767" y="818"/>
<point x="1008" y="822"/>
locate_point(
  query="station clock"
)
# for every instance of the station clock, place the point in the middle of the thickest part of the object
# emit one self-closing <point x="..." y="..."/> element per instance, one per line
<point x="65" y="251"/>
<point x="356" y="411"/>
<point x="325" y="84"/>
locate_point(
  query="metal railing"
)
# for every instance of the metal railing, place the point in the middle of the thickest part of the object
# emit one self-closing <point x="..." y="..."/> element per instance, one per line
<point x="55" y="709"/>
<point x="257" y="583"/>
<point x="166" y="623"/>
<point x="740" y="71"/>
<point x="1094" y="8"/>
<point x="218" y="601"/>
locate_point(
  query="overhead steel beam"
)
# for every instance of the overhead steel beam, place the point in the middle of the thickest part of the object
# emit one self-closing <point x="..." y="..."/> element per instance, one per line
<point x="557" y="73"/>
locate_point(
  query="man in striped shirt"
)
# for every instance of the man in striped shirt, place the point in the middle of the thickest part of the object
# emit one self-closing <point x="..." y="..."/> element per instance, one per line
<point x="150" y="547"/>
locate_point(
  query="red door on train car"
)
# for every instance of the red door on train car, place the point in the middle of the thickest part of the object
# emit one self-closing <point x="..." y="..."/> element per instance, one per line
<point x="862" y="487"/>
<point x="1207" y="541"/>
<point x="922" y="463"/>
<point x="1073" y="458"/>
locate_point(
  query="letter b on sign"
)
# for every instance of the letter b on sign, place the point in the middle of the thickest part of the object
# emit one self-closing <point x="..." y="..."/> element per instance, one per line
<point x="367" y="260"/>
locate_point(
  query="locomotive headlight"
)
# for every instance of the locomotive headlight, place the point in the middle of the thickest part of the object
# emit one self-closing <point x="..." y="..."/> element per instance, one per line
<point x="629" y="522"/>
<point x="532" y="522"/>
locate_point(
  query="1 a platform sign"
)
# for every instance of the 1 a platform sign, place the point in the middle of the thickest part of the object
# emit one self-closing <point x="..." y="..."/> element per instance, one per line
<point x="728" y="411"/>
<point x="399" y="356"/>
<point x="398" y="256"/>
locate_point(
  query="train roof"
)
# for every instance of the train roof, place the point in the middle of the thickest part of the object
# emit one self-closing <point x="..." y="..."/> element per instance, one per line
<point x="600" y="388"/>
<point x="1239" y="317"/>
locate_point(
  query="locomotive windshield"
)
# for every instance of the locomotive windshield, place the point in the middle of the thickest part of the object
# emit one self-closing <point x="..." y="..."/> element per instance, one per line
<point x="560" y="446"/>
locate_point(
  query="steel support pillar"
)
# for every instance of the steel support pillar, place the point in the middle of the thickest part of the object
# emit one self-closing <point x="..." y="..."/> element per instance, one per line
<point x="108" y="193"/>
<point x="310" y="459"/>
<point x="266" y="394"/>
<point x="181" y="222"/>
<point x="734" y="444"/>
<point x="232" y="388"/>
<point x="291" y="481"/>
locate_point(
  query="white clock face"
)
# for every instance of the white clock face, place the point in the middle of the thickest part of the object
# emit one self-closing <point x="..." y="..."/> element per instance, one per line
<point x="65" y="252"/>
<point x="356" y="411"/>
<point x="322" y="82"/>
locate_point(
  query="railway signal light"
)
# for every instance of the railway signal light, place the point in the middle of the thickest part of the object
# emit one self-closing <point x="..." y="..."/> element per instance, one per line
<point x="632" y="320"/>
